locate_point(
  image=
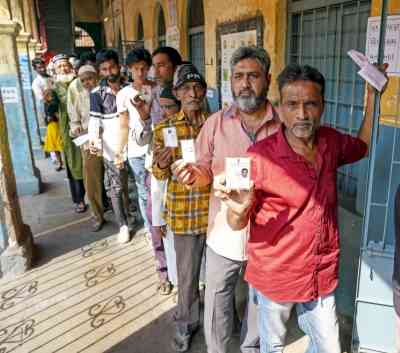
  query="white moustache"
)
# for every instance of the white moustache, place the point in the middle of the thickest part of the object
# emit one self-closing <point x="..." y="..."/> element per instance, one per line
<point x="65" y="78"/>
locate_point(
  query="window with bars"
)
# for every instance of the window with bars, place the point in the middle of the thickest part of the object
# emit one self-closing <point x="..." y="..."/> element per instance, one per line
<point x="196" y="34"/>
<point x="83" y="39"/>
<point x="321" y="37"/>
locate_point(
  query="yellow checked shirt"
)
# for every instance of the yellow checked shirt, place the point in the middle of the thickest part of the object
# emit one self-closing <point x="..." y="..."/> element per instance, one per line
<point x="186" y="210"/>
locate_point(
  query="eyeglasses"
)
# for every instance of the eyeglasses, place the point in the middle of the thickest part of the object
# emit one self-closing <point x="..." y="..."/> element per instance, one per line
<point x="168" y="106"/>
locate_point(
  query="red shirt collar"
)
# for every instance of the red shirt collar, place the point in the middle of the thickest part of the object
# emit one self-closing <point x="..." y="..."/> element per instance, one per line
<point x="284" y="150"/>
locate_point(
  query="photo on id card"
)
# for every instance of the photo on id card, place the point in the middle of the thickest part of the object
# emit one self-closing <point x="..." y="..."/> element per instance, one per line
<point x="237" y="171"/>
<point x="170" y="137"/>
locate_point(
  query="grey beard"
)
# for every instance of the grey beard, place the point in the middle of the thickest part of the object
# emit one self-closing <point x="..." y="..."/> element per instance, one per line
<point x="65" y="78"/>
<point x="250" y="104"/>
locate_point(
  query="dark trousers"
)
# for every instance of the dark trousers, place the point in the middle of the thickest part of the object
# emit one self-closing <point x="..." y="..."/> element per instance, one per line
<point x="76" y="187"/>
<point x="116" y="184"/>
<point x="189" y="251"/>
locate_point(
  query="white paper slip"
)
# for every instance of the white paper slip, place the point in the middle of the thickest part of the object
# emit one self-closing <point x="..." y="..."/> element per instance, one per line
<point x="188" y="151"/>
<point x="368" y="72"/>
<point x="373" y="76"/>
<point x="170" y="137"/>
<point x="81" y="140"/>
<point x="359" y="58"/>
<point x="94" y="129"/>
<point x="237" y="171"/>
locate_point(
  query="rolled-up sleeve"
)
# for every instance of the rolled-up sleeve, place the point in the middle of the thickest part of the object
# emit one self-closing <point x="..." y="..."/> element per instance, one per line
<point x="159" y="173"/>
<point x="205" y="149"/>
<point x="96" y="113"/>
<point x="351" y="149"/>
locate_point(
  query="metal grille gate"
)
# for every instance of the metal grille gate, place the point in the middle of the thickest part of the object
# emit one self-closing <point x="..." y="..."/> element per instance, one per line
<point x="321" y="34"/>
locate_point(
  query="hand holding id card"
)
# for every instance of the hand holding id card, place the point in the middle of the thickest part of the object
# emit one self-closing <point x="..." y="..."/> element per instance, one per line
<point x="170" y="137"/>
<point x="237" y="171"/>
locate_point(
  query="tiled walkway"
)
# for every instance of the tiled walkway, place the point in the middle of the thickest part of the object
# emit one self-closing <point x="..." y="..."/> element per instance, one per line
<point x="87" y="293"/>
<point x="87" y="300"/>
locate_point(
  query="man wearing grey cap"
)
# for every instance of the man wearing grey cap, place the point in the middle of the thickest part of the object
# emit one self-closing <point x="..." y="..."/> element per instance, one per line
<point x="186" y="210"/>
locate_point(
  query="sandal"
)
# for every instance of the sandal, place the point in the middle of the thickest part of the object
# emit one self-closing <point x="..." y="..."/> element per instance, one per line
<point x="80" y="208"/>
<point x="164" y="288"/>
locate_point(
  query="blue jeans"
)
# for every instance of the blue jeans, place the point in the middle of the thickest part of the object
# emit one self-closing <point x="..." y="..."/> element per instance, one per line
<point x="140" y="173"/>
<point x="316" y="318"/>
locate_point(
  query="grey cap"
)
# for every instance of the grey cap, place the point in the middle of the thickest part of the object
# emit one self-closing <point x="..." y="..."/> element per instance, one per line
<point x="187" y="73"/>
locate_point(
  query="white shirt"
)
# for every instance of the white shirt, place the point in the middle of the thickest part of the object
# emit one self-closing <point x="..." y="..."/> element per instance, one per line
<point x="124" y="105"/>
<point x="107" y="128"/>
<point x="158" y="191"/>
<point x="39" y="85"/>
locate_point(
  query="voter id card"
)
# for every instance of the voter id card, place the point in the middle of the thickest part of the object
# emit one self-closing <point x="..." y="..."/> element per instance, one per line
<point x="170" y="137"/>
<point x="237" y="171"/>
<point x="188" y="151"/>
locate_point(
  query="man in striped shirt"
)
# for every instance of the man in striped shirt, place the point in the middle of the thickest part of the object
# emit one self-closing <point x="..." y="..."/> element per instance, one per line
<point x="104" y="126"/>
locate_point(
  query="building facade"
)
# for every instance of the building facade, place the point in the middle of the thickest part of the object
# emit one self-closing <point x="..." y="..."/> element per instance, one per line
<point x="319" y="33"/>
<point x="316" y="32"/>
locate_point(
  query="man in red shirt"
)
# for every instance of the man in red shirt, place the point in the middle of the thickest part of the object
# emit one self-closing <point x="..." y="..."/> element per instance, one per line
<point x="293" y="250"/>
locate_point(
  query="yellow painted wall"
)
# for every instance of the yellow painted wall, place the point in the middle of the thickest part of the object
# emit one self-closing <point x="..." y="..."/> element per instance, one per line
<point x="390" y="106"/>
<point x="275" y="25"/>
<point x="112" y="18"/>
<point x="86" y="11"/>
<point x="216" y="12"/>
<point x="149" y="11"/>
<point x="274" y="13"/>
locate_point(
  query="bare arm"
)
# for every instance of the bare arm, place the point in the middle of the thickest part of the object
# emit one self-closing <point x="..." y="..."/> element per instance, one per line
<point x="365" y="131"/>
<point x="238" y="221"/>
<point x="124" y="131"/>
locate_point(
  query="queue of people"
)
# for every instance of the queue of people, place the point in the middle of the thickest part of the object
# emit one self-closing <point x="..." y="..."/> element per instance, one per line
<point x="279" y="234"/>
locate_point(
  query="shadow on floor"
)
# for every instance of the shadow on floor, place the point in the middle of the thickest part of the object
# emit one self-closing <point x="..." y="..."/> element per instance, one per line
<point x="54" y="244"/>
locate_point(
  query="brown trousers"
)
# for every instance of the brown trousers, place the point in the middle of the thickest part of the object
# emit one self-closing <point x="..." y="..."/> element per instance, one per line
<point x="93" y="178"/>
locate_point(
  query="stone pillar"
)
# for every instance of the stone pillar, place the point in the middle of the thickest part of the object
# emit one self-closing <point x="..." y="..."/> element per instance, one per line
<point x="39" y="47"/>
<point x="16" y="241"/>
<point x="27" y="175"/>
<point x="26" y="81"/>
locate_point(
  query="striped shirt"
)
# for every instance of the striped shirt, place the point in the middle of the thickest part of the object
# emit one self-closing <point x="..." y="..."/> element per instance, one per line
<point x="104" y="118"/>
<point x="186" y="210"/>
